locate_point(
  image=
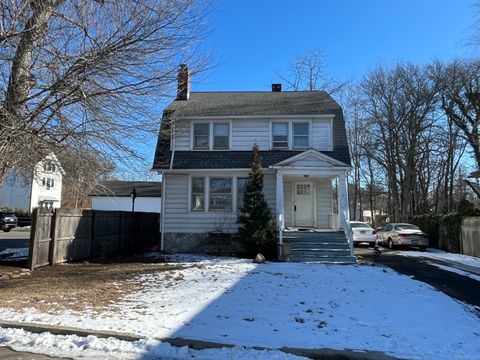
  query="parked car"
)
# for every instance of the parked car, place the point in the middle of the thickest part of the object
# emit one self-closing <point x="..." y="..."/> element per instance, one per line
<point x="8" y="221"/>
<point x="398" y="234"/>
<point x="362" y="233"/>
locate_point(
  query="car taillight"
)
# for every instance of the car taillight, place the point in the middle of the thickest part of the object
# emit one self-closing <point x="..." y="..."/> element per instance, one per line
<point x="403" y="235"/>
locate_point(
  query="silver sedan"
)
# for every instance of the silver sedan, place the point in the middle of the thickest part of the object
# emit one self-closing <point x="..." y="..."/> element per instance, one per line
<point x="398" y="234"/>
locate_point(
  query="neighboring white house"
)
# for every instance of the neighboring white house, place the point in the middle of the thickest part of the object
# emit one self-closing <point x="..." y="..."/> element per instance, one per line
<point x="204" y="155"/>
<point x="117" y="195"/>
<point x="41" y="188"/>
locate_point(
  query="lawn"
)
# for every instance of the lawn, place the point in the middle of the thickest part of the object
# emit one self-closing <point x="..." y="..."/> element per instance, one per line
<point x="233" y="301"/>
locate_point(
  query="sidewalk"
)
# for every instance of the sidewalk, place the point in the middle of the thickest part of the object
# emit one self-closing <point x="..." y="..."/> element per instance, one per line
<point x="321" y="354"/>
<point x="8" y="354"/>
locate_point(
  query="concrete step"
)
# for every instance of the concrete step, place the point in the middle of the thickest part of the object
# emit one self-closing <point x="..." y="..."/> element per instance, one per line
<point x="310" y="240"/>
<point x="319" y="245"/>
<point x="325" y="260"/>
<point x="320" y="253"/>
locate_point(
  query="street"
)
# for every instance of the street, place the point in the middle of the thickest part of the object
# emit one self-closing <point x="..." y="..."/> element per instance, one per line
<point x="457" y="286"/>
<point x="15" y="238"/>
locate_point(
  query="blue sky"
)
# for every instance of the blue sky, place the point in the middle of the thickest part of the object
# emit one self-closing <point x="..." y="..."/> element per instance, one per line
<point x="254" y="39"/>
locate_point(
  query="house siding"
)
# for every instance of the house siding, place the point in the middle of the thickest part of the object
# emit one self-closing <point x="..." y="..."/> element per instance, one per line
<point x="179" y="218"/>
<point x="246" y="132"/>
<point x="323" y="197"/>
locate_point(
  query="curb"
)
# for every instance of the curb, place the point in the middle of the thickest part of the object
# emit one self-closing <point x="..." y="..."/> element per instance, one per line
<point x="320" y="354"/>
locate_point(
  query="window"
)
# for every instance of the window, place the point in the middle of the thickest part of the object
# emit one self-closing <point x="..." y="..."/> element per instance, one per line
<point x="220" y="194"/>
<point x="49" y="166"/>
<point x="201" y="135"/>
<point x="221" y="133"/>
<point x="303" y="189"/>
<point x="300" y="135"/>
<point x="48" y="183"/>
<point x="241" y="186"/>
<point x="280" y="135"/>
<point x="198" y="194"/>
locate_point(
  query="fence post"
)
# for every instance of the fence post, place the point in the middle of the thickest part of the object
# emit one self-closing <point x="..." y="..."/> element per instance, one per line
<point x="53" y="238"/>
<point x="32" y="249"/>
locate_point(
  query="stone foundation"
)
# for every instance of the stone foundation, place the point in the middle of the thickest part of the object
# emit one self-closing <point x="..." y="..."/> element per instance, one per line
<point x="210" y="243"/>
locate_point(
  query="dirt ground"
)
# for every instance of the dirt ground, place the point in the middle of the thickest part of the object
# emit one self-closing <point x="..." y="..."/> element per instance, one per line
<point x="78" y="286"/>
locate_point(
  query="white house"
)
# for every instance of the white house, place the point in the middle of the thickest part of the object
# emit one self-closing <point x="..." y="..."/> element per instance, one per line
<point x="117" y="195"/>
<point x="40" y="188"/>
<point x="204" y="155"/>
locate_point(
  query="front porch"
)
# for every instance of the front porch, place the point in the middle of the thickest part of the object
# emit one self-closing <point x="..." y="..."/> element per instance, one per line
<point x="306" y="202"/>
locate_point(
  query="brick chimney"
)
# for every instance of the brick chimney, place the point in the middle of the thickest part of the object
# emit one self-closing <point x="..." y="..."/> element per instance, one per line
<point x="183" y="91"/>
<point x="276" y="87"/>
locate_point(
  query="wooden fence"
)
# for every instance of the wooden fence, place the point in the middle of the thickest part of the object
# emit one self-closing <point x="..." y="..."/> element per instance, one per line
<point x="70" y="234"/>
<point x="471" y="236"/>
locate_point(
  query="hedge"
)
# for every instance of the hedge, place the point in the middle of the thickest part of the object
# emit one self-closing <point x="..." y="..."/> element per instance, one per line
<point x="444" y="231"/>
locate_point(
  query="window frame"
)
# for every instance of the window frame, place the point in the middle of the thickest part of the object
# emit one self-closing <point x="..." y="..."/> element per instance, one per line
<point x="214" y="123"/>
<point x="191" y="194"/>
<point x="208" y="135"/>
<point x="227" y="210"/>
<point x="239" y="203"/>
<point x="288" y="135"/>
<point x="307" y="136"/>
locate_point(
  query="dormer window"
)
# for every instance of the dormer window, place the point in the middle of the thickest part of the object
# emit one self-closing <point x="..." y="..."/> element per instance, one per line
<point x="280" y="135"/>
<point x="201" y="136"/>
<point x="300" y="135"/>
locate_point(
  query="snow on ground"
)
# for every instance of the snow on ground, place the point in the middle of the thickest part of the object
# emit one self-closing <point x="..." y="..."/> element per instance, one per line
<point x="445" y="256"/>
<point x="455" y="270"/>
<point x="16" y="252"/>
<point x="274" y="305"/>
<point x="92" y="347"/>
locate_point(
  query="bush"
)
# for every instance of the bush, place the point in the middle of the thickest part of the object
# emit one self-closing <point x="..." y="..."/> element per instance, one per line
<point x="257" y="231"/>
<point x="443" y="230"/>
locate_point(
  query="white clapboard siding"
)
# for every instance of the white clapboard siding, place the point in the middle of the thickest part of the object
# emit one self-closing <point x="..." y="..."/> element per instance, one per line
<point x="247" y="132"/>
<point x="322" y="134"/>
<point x="182" y="134"/>
<point x="288" y="201"/>
<point x="324" y="202"/>
<point x="178" y="218"/>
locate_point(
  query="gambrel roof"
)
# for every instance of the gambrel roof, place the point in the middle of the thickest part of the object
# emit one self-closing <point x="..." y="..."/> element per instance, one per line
<point x="249" y="105"/>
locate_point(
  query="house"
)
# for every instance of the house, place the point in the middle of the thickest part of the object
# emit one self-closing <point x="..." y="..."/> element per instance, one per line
<point x="117" y="195"/>
<point x="204" y="155"/>
<point x="42" y="187"/>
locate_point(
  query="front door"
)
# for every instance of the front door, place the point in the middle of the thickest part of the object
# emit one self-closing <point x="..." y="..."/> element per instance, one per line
<point x="303" y="205"/>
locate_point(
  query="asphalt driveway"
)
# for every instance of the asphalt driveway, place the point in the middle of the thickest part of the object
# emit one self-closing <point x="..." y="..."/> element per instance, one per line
<point x="454" y="285"/>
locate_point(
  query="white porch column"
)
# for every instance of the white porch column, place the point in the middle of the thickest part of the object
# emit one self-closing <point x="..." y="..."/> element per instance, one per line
<point x="280" y="210"/>
<point x="343" y="207"/>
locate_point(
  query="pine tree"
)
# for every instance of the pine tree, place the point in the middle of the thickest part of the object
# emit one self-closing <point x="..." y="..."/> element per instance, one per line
<point x="257" y="230"/>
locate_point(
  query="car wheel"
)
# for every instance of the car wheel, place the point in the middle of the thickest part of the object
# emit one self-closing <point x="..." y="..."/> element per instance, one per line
<point x="391" y="245"/>
<point x="423" y="248"/>
<point x="6" y="229"/>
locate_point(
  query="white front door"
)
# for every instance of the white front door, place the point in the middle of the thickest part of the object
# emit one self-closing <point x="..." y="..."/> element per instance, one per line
<point x="303" y="204"/>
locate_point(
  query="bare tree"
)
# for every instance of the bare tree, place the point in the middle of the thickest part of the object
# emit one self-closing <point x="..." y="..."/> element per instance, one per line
<point x="88" y="74"/>
<point x="308" y="72"/>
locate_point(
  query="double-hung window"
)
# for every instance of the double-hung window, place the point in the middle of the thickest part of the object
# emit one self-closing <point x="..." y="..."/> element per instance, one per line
<point x="241" y="186"/>
<point x="198" y="194"/>
<point x="220" y="194"/>
<point x="300" y="135"/>
<point x="221" y="134"/>
<point x="280" y="135"/>
<point x="201" y="136"/>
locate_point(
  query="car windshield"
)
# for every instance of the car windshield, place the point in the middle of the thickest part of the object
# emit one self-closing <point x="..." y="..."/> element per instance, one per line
<point x="406" y="227"/>
<point x="360" y="225"/>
